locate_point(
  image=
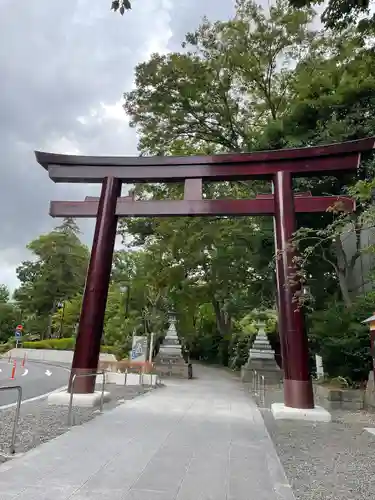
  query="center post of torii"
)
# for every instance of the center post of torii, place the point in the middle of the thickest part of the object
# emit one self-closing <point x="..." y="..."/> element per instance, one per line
<point x="279" y="166"/>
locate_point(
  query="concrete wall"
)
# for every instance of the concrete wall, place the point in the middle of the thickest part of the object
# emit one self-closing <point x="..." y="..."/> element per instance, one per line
<point x="365" y="263"/>
<point x="128" y="379"/>
<point x="51" y="355"/>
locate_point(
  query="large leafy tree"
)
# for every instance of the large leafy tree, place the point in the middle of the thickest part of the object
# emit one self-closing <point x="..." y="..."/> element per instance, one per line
<point x="218" y="95"/>
<point x="230" y="81"/>
<point x="334" y="101"/>
<point x="57" y="271"/>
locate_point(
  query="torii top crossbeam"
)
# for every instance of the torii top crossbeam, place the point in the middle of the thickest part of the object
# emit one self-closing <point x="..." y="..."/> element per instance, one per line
<point x="258" y="165"/>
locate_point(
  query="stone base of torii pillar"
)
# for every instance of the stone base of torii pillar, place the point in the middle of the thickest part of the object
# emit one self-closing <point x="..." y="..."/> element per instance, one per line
<point x="262" y="360"/>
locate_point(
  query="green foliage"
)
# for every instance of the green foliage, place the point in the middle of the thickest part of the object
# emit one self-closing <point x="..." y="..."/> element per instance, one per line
<point x="68" y="316"/>
<point x="4" y="348"/>
<point x="222" y="92"/>
<point x="9" y="318"/>
<point x="338" y="335"/>
<point x="57" y="273"/>
<point x="339" y="14"/>
<point x="4" y="294"/>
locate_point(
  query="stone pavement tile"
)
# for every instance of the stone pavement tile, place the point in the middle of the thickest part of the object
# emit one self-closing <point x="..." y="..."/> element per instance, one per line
<point x="202" y="440"/>
<point x="254" y="466"/>
<point x="163" y="474"/>
<point x="206" y="479"/>
<point x="250" y="488"/>
<point x="45" y="493"/>
<point x="107" y="494"/>
<point x="135" y="494"/>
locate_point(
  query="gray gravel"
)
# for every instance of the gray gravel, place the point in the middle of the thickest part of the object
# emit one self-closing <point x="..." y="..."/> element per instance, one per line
<point x="40" y="422"/>
<point x="332" y="461"/>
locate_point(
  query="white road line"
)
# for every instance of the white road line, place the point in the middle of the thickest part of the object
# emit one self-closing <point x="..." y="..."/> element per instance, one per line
<point x="371" y="430"/>
<point x="36" y="398"/>
<point x="48" y="373"/>
<point x="25" y="372"/>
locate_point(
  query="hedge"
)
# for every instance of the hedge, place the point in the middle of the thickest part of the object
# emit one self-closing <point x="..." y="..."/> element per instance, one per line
<point x="66" y="344"/>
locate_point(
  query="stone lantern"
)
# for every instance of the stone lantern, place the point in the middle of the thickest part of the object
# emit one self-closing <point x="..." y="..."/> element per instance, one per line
<point x="170" y="360"/>
<point x="262" y="359"/>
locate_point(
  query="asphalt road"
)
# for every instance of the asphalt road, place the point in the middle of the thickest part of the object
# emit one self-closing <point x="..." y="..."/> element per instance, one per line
<point x="35" y="379"/>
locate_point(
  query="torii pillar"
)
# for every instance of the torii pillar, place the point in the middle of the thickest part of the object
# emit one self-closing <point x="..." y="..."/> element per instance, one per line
<point x="90" y="329"/>
<point x="298" y="389"/>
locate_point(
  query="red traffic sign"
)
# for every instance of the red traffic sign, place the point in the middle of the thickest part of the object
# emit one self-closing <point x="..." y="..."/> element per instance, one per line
<point x="19" y="327"/>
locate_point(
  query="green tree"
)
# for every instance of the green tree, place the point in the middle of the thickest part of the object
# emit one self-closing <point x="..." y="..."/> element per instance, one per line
<point x="219" y="94"/>
<point x="9" y="317"/>
<point x="334" y="99"/>
<point x="57" y="273"/>
<point x="4" y="294"/>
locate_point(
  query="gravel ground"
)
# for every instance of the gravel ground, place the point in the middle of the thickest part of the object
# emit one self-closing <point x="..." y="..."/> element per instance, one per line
<point x="332" y="461"/>
<point x="40" y="422"/>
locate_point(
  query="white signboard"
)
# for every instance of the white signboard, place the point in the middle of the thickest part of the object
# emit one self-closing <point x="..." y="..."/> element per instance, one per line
<point x="139" y="349"/>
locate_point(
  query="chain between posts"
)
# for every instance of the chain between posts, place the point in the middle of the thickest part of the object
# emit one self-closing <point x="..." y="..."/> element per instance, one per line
<point x="75" y="376"/>
<point x="17" y="415"/>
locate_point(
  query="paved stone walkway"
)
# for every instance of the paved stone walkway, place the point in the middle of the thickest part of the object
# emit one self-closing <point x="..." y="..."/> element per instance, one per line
<point x="200" y="439"/>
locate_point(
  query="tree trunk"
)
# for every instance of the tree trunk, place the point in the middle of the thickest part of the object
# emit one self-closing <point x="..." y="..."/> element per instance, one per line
<point x="343" y="281"/>
<point x="224" y="326"/>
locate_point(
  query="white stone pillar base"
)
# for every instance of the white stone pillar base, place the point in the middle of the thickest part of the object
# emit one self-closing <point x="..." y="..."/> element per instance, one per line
<point x="83" y="400"/>
<point x="317" y="414"/>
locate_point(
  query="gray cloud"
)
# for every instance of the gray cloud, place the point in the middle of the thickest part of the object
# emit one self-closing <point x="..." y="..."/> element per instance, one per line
<point x="63" y="67"/>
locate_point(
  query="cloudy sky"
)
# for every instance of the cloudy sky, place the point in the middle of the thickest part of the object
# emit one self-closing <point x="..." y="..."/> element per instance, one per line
<point x="63" y="68"/>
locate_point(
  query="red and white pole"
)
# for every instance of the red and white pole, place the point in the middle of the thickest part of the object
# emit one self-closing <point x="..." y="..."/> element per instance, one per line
<point x="23" y="361"/>
<point x="14" y="370"/>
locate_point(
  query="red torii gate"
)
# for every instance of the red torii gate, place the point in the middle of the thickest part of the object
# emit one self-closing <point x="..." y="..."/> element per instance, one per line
<point x="279" y="166"/>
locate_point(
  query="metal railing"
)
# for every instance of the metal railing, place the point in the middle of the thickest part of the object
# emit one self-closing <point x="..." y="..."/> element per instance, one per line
<point x="81" y="375"/>
<point x="259" y="387"/>
<point x="18" y="388"/>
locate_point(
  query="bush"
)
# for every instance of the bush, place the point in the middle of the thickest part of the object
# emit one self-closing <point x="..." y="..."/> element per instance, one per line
<point x="339" y="336"/>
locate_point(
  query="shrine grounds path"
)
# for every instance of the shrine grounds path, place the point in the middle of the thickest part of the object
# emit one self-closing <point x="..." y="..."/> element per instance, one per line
<point x="200" y="439"/>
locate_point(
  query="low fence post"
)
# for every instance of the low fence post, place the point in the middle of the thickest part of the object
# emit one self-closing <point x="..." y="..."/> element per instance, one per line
<point x="75" y="376"/>
<point x="18" y="388"/>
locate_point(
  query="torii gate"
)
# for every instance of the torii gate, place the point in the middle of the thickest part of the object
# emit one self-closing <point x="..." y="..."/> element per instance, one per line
<point x="279" y="166"/>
